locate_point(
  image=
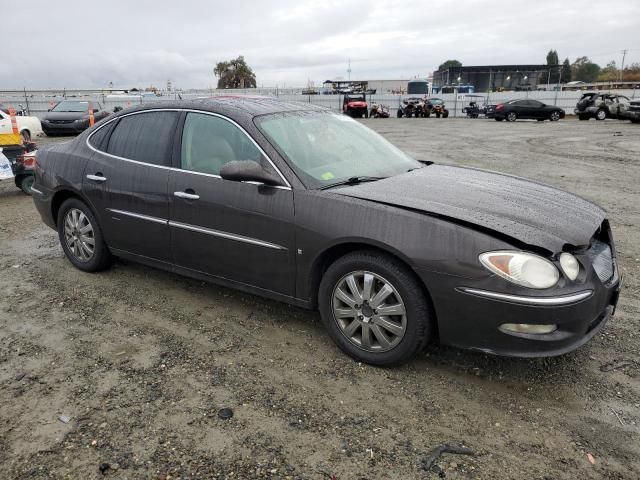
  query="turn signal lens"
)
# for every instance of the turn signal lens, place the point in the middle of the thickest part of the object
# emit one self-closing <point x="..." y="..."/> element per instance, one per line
<point x="570" y="265"/>
<point x="522" y="268"/>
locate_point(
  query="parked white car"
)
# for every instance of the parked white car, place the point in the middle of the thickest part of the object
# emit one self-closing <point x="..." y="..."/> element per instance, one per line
<point x="29" y="127"/>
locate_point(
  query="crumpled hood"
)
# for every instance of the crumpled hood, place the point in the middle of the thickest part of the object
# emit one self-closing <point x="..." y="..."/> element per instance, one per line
<point x="530" y="212"/>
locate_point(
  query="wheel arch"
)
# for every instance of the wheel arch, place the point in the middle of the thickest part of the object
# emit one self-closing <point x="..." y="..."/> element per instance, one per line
<point x="329" y="255"/>
<point x="63" y="194"/>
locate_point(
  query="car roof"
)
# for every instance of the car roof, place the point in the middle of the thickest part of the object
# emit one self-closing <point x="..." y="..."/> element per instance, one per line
<point x="230" y="105"/>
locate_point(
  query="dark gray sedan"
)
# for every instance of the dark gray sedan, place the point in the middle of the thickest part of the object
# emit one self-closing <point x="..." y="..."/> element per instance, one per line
<point x="296" y="203"/>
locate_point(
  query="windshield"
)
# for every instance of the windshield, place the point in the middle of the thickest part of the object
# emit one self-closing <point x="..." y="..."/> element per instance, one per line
<point x="71" y="106"/>
<point x="324" y="148"/>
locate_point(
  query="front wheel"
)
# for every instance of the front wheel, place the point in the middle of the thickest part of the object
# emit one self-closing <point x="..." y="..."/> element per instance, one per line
<point x="374" y="308"/>
<point x="26" y="136"/>
<point x="555" y="116"/>
<point x="512" y="116"/>
<point x="81" y="237"/>
<point x="601" y="114"/>
<point x="399" y="113"/>
<point x="366" y="114"/>
<point x="445" y="115"/>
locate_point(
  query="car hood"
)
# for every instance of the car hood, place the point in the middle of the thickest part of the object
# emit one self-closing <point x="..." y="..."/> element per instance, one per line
<point x="530" y="212"/>
<point x="65" y="115"/>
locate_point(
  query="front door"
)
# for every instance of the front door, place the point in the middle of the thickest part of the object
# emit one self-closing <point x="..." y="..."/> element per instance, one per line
<point x="126" y="181"/>
<point x="238" y="231"/>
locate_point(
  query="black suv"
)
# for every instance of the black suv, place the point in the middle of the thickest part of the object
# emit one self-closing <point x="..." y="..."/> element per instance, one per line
<point x="600" y="106"/>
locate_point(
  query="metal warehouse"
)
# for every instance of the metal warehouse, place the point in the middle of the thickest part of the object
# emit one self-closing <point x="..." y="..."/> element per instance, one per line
<point x="495" y="77"/>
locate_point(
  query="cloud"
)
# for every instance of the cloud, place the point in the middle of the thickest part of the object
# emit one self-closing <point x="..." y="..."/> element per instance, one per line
<point x="89" y="44"/>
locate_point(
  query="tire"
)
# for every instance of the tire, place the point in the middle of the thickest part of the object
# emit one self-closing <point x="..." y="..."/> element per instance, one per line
<point x="635" y="120"/>
<point x="512" y="117"/>
<point x="583" y="117"/>
<point x="555" y="116"/>
<point x="100" y="257"/>
<point x="437" y="115"/>
<point x="601" y="114"/>
<point x="408" y="332"/>
<point x="399" y="113"/>
<point x="26" y="136"/>
<point x="25" y="183"/>
<point x="445" y="115"/>
<point x="366" y="113"/>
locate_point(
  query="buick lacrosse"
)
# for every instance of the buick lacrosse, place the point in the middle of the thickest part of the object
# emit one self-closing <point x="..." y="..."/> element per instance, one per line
<point x="298" y="204"/>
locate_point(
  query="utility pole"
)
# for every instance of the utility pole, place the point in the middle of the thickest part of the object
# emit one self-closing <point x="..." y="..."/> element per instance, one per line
<point x="624" y="54"/>
<point x="349" y="71"/>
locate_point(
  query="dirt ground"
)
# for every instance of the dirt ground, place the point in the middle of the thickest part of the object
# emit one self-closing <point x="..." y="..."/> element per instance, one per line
<point x="141" y="361"/>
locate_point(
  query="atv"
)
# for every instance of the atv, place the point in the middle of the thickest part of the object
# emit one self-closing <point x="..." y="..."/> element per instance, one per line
<point x="379" y="111"/>
<point x="355" y="105"/>
<point x="436" y="107"/>
<point x="411" y="107"/>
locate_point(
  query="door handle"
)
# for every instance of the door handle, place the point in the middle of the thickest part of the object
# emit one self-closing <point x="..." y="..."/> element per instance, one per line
<point x="185" y="195"/>
<point x="97" y="178"/>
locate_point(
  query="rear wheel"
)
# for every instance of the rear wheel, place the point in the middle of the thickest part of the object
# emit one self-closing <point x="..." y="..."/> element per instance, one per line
<point x="399" y="113"/>
<point x="374" y="308"/>
<point x="601" y="114"/>
<point x="26" y="136"/>
<point x="81" y="237"/>
<point x="512" y="116"/>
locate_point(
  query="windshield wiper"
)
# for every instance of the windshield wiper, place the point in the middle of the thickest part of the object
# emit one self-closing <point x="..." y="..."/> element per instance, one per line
<point x="352" y="181"/>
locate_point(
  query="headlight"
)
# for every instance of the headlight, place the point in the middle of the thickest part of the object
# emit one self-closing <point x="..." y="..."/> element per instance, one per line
<point x="522" y="268"/>
<point x="570" y="265"/>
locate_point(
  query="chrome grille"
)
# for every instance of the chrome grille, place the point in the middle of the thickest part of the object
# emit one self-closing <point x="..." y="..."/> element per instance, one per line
<point x="600" y="255"/>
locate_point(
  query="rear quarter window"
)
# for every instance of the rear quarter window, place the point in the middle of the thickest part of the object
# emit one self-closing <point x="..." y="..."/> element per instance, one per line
<point x="144" y="137"/>
<point x="98" y="140"/>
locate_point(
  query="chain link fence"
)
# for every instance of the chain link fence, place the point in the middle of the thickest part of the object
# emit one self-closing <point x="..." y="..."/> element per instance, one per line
<point x="38" y="102"/>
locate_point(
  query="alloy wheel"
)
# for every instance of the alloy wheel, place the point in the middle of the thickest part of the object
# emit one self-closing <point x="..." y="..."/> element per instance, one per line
<point x="512" y="116"/>
<point x="369" y="311"/>
<point x="555" y="116"/>
<point x="79" y="235"/>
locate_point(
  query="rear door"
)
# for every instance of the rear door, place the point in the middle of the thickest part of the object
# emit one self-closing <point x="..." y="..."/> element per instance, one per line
<point x="238" y="231"/>
<point x="126" y="181"/>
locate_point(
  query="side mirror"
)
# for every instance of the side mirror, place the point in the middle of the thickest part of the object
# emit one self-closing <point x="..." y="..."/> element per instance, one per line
<point x="117" y="109"/>
<point x="247" y="171"/>
<point x="543" y="105"/>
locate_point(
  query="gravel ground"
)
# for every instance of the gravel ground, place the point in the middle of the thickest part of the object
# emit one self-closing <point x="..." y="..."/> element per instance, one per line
<point x="122" y="374"/>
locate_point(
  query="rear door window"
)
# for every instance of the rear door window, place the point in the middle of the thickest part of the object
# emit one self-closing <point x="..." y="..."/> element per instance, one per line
<point x="144" y="137"/>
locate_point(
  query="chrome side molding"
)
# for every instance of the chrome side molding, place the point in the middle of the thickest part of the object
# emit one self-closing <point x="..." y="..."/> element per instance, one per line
<point x="548" y="301"/>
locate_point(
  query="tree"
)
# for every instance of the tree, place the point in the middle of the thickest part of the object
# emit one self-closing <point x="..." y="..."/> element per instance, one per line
<point x="585" y="70"/>
<point x="235" y="74"/>
<point x="631" y="73"/>
<point x="553" y="61"/>
<point x="566" y="71"/>
<point x="609" y="73"/>
<point x="450" y="64"/>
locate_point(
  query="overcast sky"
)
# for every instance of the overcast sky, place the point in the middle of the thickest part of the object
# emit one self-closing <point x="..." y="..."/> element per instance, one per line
<point x="87" y="44"/>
